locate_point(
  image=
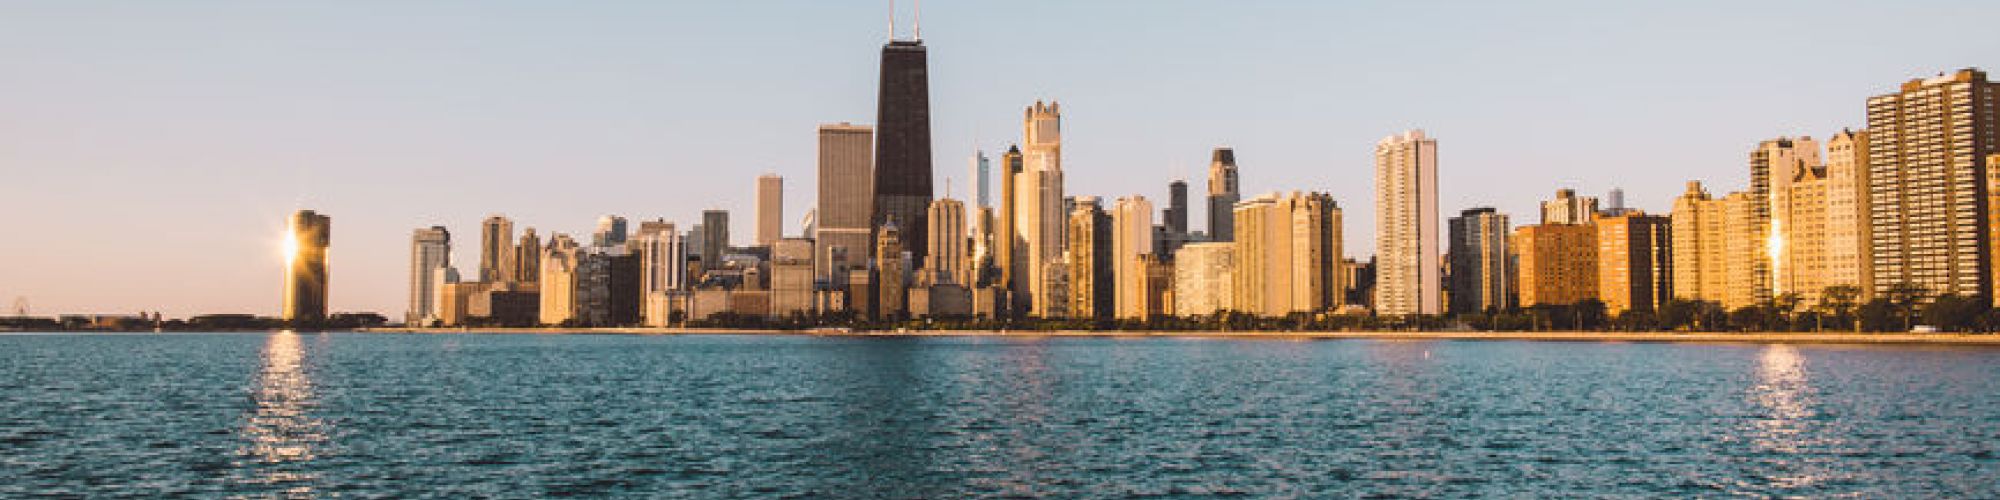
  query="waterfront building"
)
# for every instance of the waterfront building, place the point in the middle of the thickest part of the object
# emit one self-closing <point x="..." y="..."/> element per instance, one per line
<point x="308" y="234"/>
<point x="1288" y="249"/>
<point x="1204" y="278"/>
<point x="558" y="280"/>
<point x="1787" y="173"/>
<point x="1406" y="246"/>
<point x="945" y="261"/>
<point x="527" y="261"/>
<point x="1568" y="208"/>
<point x="1131" y="238"/>
<point x="1223" y="193"/>
<point x="1480" y="278"/>
<point x="1557" y="263"/>
<point x="1092" y="285"/>
<point x="1718" y="246"/>
<point x="770" y="209"/>
<point x="1930" y="194"/>
<point x="890" y="265"/>
<point x="1039" y="208"/>
<point x="903" y="142"/>
<point x="1847" y="243"/>
<point x="1634" y="262"/>
<point x="792" y="274"/>
<point x="1009" y="252"/>
<point x="846" y="199"/>
<point x="496" y="249"/>
<point x="663" y="268"/>
<point x="430" y="254"/>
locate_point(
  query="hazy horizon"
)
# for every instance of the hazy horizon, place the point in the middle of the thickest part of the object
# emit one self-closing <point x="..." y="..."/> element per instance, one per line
<point x="151" y="152"/>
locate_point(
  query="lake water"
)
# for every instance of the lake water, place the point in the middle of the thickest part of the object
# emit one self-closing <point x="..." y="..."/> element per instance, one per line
<point x="339" y="414"/>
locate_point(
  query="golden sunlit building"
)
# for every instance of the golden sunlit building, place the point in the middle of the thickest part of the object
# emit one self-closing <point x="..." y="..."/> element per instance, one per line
<point x="1556" y="263"/>
<point x="1846" y="260"/>
<point x="1634" y="262"/>
<point x="1930" y="190"/>
<point x="307" y="236"/>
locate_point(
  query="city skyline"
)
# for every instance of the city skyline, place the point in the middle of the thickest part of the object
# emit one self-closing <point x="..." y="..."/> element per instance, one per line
<point x="1098" y="161"/>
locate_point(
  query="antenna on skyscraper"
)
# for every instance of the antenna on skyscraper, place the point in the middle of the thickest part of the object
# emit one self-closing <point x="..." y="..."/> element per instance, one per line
<point x="917" y="22"/>
<point x="892" y="20"/>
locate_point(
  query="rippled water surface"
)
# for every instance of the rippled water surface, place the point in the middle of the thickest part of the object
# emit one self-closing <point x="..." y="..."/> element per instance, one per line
<point x="733" y="416"/>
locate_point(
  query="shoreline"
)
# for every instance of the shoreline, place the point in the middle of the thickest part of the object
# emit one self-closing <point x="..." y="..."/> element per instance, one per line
<point x="1663" y="337"/>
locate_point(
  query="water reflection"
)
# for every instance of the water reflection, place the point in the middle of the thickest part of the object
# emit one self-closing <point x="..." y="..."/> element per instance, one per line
<point x="280" y="436"/>
<point x="1786" y="431"/>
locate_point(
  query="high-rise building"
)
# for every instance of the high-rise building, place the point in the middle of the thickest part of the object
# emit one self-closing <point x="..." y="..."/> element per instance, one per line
<point x="1131" y="238"/>
<point x="1092" y="286"/>
<point x="430" y="254"/>
<point x="611" y="232"/>
<point x="1699" y="246"/>
<point x="527" y="259"/>
<point x="1039" y="213"/>
<point x="1634" y="262"/>
<point x="1929" y="194"/>
<point x="1556" y="263"/>
<point x="944" y="263"/>
<point x="1480" y="267"/>
<point x="982" y="191"/>
<point x="1779" y="169"/>
<point x="903" y="141"/>
<point x="1406" y="246"/>
<point x="893" y="298"/>
<point x="1177" y="207"/>
<point x="1847" y="230"/>
<point x="1288" y="251"/>
<point x="1008" y="258"/>
<point x="770" y="209"/>
<point x="1568" y="208"/>
<point x="1204" y="278"/>
<point x="662" y="257"/>
<point x="308" y="235"/>
<point x="846" y="200"/>
<point x="791" y="277"/>
<point x="714" y="236"/>
<point x="1223" y="193"/>
<point x="496" y="250"/>
<point x="558" y="281"/>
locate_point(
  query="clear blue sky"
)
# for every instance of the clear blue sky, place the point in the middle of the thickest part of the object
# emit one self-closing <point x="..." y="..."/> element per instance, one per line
<point x="149" y="151"/>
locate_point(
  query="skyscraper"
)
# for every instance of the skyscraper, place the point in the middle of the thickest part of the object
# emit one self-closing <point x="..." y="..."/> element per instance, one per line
<point x="527" y="259"/>
<point x="560" y="261"/>
<point x="1406" y="272"/>
<point x="308" y="235"/>
<point x="1847" y="229"/>
<point x="981" y="195"/>
<point x="1038" y="206"/>
<point x="770" y="209"/>
<point x="1634" y="262"/>
<point x="944" y="263"/>
<point x="1775" y="166"/>
<point x="1177" y="207"/>
<point x="1131" y="238"/>
<point x="893" y="299"/>
<point x="1480" y="268"/>
<point x="430" y="254"/>
<point x="1204" y="278"/>
<point x="496" y="249"/>
<point x="1929" y="191"/>
<point x="1223" y="194"/>
<point x="903" y="141"/>
<point x="1009" y="252"/>
<point x="1092" y="286"/>
<point x="1287" y="256"/>
<point x="846" y="200"/>
<point x="663" y="269"/>
<point x="714" y="237"/>
<point x="1557" y="263"/>
<point x="1568" y="208"/>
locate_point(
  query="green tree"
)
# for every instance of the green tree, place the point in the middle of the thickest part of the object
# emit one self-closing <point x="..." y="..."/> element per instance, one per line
<point x="1839" y="301"/>
<point x="1906" y="297"/>
<point x="1953" y="313"/>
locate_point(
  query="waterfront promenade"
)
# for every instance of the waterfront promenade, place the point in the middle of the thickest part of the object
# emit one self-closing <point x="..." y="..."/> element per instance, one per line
<point x="1696" y="337"/>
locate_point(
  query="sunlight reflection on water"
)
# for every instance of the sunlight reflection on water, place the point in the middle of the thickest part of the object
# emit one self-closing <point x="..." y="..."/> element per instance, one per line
<point x="281" y="435"/>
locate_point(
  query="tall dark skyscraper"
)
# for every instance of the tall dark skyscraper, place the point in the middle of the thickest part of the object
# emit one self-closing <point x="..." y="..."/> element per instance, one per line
<point x="1177" y="207"/>
<point x="903" y="142"/>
